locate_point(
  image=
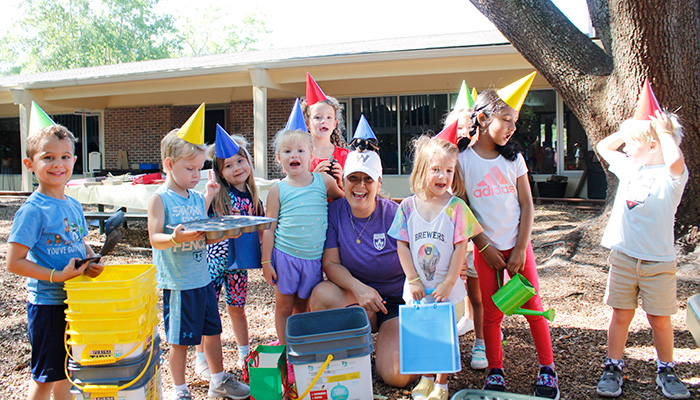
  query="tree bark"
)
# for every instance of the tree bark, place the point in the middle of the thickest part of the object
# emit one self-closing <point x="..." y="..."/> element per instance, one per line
<point x="600" y="80"/>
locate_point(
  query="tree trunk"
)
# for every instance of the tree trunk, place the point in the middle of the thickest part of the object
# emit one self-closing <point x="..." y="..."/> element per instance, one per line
<point x="600" y="80"/>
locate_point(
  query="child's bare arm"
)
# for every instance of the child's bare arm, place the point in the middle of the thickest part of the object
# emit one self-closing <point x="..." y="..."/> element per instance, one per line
<point x="332" y="189"/>
<point x="673" y="156"/>
<point x="156" y="222"/>
<point x="268" y="239"/>
<point x="608" y="148"/>
<point x="415" y="285"/>
<point x="210" y="189"/>
<point x="17" y="263"/>
<point x="516" y="259"/>
<point x="443" y="290"/>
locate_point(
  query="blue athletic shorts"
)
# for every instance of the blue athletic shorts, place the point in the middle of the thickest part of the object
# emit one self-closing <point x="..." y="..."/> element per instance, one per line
<point x="190" y="314"/>
<point x="46" y="325"/>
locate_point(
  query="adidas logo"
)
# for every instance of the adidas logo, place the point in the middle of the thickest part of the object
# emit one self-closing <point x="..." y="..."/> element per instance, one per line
<point x="493" y="184"/>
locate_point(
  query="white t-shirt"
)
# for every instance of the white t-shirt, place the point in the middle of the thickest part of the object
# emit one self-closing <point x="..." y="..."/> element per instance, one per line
<point x="643" y="214"/>
<point x="432" y="242"/>
<point x="492" y="191"/>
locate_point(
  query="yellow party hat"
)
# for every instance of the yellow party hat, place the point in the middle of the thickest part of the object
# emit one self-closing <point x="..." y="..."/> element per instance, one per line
<point x="474" y="94"/>
<point x="193" y="129"/>
<point x="515" y="93"/>
<point x="38" y="119"/>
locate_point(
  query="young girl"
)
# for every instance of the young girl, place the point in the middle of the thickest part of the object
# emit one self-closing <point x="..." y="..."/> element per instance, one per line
<point x="468" y="273"/>
<point x="432" y="229"/>
<point x="292" y="247"/>
<point x="229" y="260"/>
<point x="324" y="116"/>
<point x="499" y="193"/>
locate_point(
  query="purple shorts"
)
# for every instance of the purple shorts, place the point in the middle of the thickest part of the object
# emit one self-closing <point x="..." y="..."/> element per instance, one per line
<point x="296" y="275"/>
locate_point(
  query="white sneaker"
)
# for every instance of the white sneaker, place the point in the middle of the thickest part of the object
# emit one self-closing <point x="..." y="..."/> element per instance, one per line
<point x="230" y="388"/>
<point x="479" y="360"/>
<point x="181" y="395"/>
<point x="464" y="325"/>
<point x="240" y="364"/>
<point x="202" y="371"/>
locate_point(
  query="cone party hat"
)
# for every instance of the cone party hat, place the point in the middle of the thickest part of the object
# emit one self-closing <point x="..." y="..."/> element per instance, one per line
<point x="38" y="119"/>
<point x="474" y="94"/>
<point x="515" y="93"/>
<point x="363" y="130"/>
<point x="314" y="94"/>
<point x="224" y="146"/>
<point x="364" y="138"/>
<point x="193" y="129"/>
<point x="449" y="133"/>
<point x="296" y="119"/>
<point x="647" y="104"/>
<point x="464" y="98"/>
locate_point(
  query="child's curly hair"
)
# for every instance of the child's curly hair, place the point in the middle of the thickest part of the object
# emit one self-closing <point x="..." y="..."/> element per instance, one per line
<point x="337" y="138"/>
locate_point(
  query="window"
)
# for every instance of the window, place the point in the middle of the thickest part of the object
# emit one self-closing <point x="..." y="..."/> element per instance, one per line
<point x="10" y="151"/>
<point x="537" y="131"/>
<point x="86" y="129"/>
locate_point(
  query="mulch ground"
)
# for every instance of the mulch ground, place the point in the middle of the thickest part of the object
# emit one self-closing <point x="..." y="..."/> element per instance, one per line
<point x="572" y="271"/>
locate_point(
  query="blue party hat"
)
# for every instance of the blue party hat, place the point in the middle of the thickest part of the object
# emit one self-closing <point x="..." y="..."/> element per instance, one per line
<point x="224" y="146"/>
<point x="296" y="119"/>
<point x="363" y="130"/>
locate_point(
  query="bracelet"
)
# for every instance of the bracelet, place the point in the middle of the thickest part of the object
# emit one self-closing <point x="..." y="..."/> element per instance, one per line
<point x="51" y="276"/>
<point x="414" y="280"/>
<point x="669" y="132"/>
<point x="266" y="262"/>
<point x="483" y="248"/>
<point x="172" y="237"/>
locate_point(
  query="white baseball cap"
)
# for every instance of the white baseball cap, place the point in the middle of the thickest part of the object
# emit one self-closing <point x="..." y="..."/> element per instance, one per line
<point x="366" y="161"/>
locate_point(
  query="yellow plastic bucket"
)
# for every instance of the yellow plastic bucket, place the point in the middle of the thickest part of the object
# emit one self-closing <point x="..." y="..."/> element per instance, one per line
<point x="116" y="282"/>
<point x="511" y="296"/>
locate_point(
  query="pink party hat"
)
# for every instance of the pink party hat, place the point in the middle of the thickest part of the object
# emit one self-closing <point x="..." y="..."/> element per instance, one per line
<point x="449" y="133"/>
<point x="647" y="104"/>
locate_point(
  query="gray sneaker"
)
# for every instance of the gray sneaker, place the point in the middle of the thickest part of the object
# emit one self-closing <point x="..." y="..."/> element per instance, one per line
<point x="181" y="395"/>
<point x="669" y="383"/>
<point x="610" y="384"/>
<point x="230" y="388"/>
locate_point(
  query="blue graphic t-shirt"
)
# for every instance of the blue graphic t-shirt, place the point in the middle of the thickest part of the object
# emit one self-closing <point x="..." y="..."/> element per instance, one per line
<point x="53" y="229"/>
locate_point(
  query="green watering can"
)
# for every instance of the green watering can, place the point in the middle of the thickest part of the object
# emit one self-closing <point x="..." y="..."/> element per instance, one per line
<point x="516" y="292"/>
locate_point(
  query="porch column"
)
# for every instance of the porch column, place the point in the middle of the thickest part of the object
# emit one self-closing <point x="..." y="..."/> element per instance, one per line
<point x="24" y="100"/>
<point x="260" y="130"/>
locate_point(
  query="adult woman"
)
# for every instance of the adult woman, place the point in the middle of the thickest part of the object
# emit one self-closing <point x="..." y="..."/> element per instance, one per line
<point x="361" y="262"/>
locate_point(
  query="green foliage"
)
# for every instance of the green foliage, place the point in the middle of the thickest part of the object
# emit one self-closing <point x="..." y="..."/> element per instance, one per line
<point x="64" y="34"/>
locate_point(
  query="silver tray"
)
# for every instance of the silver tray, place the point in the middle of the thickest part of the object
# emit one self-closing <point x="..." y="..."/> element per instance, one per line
<point x="230" y="225"/>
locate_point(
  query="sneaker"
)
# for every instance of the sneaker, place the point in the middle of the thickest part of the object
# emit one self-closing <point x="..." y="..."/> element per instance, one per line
<point x="610" y="384"/>
<point x="479" y="360"/>
<point x="181" y="395"/>
<point x="422" y="389"/>
<point x="438" y="394"/>
<point x="202" y="371"/>
<point x="670" y="385"/>
<point x="240" y="364"/>
<point x="229" y="389"/>
<point x="464" y="325"/>
<point x="546" y="384"/>
<point x="496" y="380"/>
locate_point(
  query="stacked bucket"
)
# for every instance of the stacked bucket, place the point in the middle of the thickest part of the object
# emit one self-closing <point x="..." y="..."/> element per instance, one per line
<point x="114" y="345"/>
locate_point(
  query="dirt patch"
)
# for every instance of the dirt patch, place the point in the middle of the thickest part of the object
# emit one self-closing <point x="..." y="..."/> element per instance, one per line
<point x="572" y="271"/>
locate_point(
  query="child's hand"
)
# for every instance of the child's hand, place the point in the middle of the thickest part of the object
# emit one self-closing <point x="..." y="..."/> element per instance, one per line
<point x="322" y="166"/>
<point x="180" y="235"/>
<point x="417" y="290"/>
<point x="270" y="274"/>
<point x="463" y="273"/>
<point x="69" y="271"/>
<point x="661" y="122"/>
<point x="212" y="187"/>
<point x="516" y="260"/>
<point x="94" y="269"/>
<point x="442" y="291"/>
<point x="494" y="258"/>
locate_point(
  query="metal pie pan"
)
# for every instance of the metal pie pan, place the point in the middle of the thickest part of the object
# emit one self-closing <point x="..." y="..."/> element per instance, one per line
<point x="232" y="225"/>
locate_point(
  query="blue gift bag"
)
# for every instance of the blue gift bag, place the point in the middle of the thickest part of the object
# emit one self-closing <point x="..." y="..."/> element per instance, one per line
<point x="428" y="340"/>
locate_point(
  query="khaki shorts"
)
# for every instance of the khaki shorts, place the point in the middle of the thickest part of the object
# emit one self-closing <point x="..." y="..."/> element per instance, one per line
<point x="630" y="278"/>
<point x="471" y="269"/>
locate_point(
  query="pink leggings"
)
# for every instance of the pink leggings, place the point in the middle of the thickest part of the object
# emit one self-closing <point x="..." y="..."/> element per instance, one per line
<point x="493" y="316"/>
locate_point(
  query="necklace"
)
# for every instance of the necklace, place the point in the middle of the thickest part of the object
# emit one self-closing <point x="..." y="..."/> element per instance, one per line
<point x="358" y="241"/>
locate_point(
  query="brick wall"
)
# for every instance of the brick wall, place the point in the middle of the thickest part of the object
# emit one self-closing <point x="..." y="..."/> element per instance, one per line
<point x="140" y="130"/>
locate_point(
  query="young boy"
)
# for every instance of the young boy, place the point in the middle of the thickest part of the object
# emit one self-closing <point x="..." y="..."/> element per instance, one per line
<point x="190" y="308"/>
<point x="639" y="234"/>
<point x="45" y="242"/>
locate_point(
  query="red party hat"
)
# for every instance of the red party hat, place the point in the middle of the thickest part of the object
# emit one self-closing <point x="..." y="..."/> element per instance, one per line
<point x="314" y="94"/>
<point x="647" y="104"/>
<point x="449" y="133"/>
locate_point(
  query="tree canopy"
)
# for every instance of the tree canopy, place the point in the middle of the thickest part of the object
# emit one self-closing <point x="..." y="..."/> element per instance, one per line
<point x="63" y="34"/>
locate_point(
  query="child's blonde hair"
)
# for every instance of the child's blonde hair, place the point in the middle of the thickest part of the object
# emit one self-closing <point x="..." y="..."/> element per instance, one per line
<point x="645" y="131"/>
<point x="58" y="131"/>
<point x="426" y="150"/>
<point x="293" y="135"/>
<point x="456" y="114"/>
<point x="222" y="201"/>
<point x="176" y="148"/>
<point x="337" y="135"/>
